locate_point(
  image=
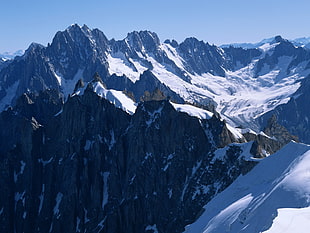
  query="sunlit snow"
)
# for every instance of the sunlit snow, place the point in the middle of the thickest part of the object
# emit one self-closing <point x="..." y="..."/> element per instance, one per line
<point x="193" y="111"/>
<point x="118" y="98"/>
<point x="291" y="220"/>
<point x="119" y="65"/>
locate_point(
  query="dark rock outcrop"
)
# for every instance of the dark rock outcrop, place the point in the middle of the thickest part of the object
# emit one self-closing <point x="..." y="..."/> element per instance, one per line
<point x="93" y="168"/>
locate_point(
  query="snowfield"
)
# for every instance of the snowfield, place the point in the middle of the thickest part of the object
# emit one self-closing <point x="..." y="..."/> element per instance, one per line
<point x="241" y="96"/>
<point x="273" y="196"/>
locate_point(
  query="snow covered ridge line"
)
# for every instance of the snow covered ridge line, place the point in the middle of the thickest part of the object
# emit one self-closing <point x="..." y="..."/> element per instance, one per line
<point x="118" y="98"/>
<point x="252" y="202"/>
<point x="122" y="101"/>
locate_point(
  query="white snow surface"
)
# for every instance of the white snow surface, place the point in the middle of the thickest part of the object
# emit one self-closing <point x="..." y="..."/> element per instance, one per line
<point x="192" y="110"/>
<point x="120" y="65"/>
<point x="118" y="98"/>
<point x="68" y="85"/>
<point x="291" y="220"/>
<point x="273" y="193"/>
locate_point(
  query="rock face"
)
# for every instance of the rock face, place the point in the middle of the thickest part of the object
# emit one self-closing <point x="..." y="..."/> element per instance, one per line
<point x="271" y="139"/>
<point x="86" y="166"/>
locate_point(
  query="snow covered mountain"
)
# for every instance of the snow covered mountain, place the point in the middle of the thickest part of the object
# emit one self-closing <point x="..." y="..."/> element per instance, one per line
<point x="241" y="84"/>
<point x="272" y="197"/>
<point x="137" y="135"/>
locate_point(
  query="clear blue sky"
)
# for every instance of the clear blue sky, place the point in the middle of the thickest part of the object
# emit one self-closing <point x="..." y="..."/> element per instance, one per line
<point x="214" y="21"/>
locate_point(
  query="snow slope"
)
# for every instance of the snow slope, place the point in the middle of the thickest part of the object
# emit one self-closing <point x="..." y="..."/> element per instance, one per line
<point x="291" y="220"/>
<point x="265" y="198"/>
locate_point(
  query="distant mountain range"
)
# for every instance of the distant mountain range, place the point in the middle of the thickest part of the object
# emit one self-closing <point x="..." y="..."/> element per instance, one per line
<point x="11" y="55"/>
<point x="300" y="42"/>
<point x="139" y="135"/>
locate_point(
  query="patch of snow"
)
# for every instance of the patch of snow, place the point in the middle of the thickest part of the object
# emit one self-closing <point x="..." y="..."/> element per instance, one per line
<point x="245" y="154"/>
<point x="22" y="168"/>
<point x="19" y="197"/>
<point x="88" y="145"/>
<point x="168" y="161"/>
<point x="101" y="224"/>
<point x="86" y="219"/>
<point x="78" y="221"/>
<point x="235" y="132"/>
<point x="173" y="55"/>
<point x="112" y="140"/>
<point x="118" y="98"/>
<point x="192" y="110"/>
<point x="152" y="228"/>
<point x="45" y="162"/>
<point x="41" y="197"/>
<point x="68" y="85"/>
<point x="57" y="114"/>
<point x="119" y="65"/>
<point x="268" y="46"/>
<point x="153" y="116"/>
<point x="105" y="196"/>
<point x="56" y="207"/>
<point x="170" y="193"/>
<point x="58" y="77"/>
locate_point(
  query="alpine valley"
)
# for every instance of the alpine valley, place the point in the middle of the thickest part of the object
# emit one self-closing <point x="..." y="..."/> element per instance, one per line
<point x="136" y="135"/>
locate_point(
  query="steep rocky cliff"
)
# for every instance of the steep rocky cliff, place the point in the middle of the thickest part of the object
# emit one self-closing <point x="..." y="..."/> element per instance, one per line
<point x="87" y="166"/>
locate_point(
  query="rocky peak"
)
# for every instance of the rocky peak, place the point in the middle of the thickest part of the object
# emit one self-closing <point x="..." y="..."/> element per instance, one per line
<point x="202" y="57"/>
<point x="173" y="43"/>
<point x="278" y="132"/>
<point x="34" y="49"/>
<point x="143" y="41"/>
<point x="278" y="39"/>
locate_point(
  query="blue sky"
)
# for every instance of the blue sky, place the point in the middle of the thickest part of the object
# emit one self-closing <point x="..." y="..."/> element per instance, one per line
<point x="214" y="21"/>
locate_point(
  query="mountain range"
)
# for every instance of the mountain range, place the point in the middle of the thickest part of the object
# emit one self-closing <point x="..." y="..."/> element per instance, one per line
<point x="138" y="135"/>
